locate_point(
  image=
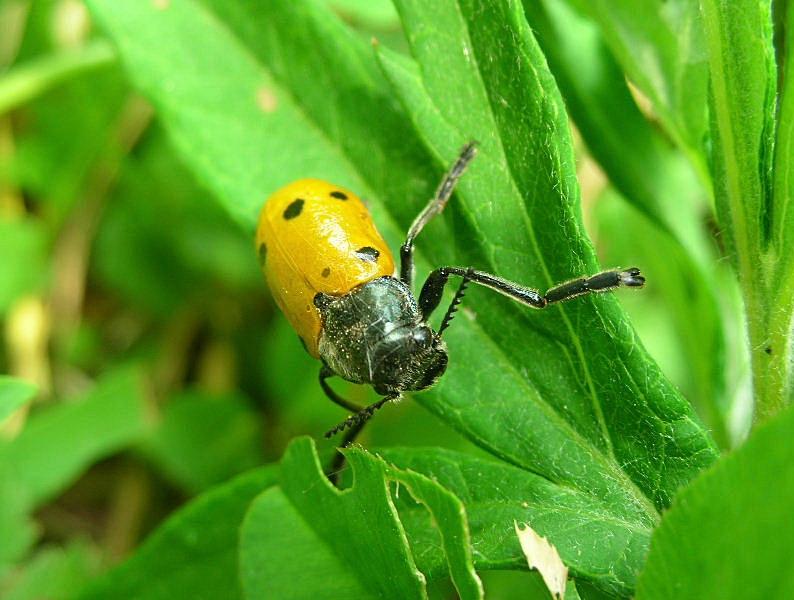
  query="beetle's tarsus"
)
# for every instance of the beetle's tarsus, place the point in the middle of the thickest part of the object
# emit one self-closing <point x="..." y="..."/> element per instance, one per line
<point x="632" y="278"/>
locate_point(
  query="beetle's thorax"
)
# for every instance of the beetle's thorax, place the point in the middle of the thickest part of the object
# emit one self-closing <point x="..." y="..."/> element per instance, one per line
<point x="376" y="335"/>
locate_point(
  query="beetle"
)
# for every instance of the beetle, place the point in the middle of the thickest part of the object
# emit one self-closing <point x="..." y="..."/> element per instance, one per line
<point x="334" y="278"/>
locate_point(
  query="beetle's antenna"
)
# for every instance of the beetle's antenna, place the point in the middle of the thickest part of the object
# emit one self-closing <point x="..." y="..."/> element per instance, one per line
<point x="453" y="306"/>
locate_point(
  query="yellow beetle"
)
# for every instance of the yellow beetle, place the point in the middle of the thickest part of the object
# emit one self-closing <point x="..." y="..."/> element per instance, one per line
<point x="314" y="237"/>
<point x="334" y="278"/>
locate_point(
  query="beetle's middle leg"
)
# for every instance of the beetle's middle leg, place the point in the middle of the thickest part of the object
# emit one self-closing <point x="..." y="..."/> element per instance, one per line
<point x="325" y="373"/>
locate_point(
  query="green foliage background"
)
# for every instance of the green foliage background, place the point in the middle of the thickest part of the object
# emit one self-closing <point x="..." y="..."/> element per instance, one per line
<point x="160" y="422"/>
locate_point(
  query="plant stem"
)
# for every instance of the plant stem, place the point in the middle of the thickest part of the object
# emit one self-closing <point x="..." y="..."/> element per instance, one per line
<point x="743" y="88"/>
<point x="771" y="359"/>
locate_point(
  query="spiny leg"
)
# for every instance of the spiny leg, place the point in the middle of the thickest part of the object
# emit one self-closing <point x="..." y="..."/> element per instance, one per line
<point x="361" y="417"/>
<point x="435" y="206"/>
<point x="338" y="461"/>
<point x="453" y="306"/>
<point x="430" y="297"/>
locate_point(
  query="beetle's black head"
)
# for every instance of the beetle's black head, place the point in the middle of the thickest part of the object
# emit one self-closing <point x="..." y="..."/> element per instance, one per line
<point x="409" y="358"/>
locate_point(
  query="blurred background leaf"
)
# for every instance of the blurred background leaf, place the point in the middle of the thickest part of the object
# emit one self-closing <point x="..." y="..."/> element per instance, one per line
<point x="14" y="394"/>
<point x="194" y="554"/>
<point x="662" y="51"/>
<point x="56" y="446"/>
<point x="204" y="440"/>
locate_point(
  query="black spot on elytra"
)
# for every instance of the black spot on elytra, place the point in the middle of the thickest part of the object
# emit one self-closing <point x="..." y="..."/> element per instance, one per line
<point x="768" y="349"/>
<point x="368" y="254"/>
<point x="339" y="195"/>
<point x="294" y="209"/>
<point x="326" y="272"/>
<point x="262" y="253"/>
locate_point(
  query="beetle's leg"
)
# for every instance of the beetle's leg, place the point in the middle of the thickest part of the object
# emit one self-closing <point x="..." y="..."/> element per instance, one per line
<point x="435" y="206"/>
<point x="600" y="282"/>
<point x="362" y="416"/>
<point x="453" y="306"/>
<point x="430" y="296"/>
<point x="325" y="373"/>
<point x="338" y="463"/>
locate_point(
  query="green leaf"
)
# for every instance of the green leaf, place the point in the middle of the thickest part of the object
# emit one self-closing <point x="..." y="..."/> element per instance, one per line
<point x="19" y="532"/>
<point x="355" y="534"/>
<point x="509" y="585"/>
<point x="73" y="133"/>
<point x="378" y="14"/>
<point x="571" y="592"/>
<point x="596" y="544"/>
<point x="743" y="503"/>
<point x="614" y="416"/>
<point x="661" y="49"/>
<point x="205" y="439"/>
<point x="448" y="516"/>
<point x="164" y="238"/>
<point x="58" y="444"/>
<point x="742" y="102"/>
<point x="14" y="394"/>
<point x="229" y="119"/>
<point x="272" y="526"/>
<point x="681" y="324"/>
<point x="194" y="554"/>
<point x="639" y="162"/>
